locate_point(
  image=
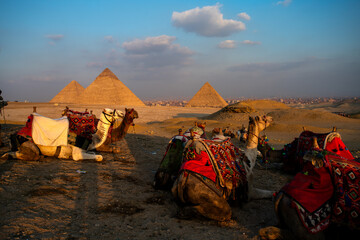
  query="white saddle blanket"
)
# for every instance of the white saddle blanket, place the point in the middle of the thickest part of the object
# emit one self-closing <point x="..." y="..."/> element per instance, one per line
<point x="50" y="132"/>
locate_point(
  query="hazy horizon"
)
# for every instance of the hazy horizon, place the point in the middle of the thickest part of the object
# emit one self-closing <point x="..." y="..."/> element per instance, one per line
<point x="163" y="49"/>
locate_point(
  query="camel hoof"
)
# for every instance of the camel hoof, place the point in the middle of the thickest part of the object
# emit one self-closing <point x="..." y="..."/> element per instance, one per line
<point x="270" y="233"/>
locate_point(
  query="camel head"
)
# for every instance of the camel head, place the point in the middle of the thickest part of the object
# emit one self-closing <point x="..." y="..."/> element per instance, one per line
<point x="262" y="122"/>
<point x="216" y="132"/>
<point x="201" y="125"/>
<point x="111" y="115"/>
<point x="256" y="125"/>
<point x="130" y="115"/>
<point x="315" y="157"/>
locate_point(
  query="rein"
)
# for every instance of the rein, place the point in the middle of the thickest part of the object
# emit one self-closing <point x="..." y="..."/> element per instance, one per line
<point x="111" y="115"/>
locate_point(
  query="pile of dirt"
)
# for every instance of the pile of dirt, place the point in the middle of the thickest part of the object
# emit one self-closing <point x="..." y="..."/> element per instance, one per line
<point x="240" y="111"/>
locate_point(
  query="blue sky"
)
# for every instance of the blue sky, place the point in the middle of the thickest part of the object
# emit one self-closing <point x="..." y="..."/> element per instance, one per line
<point x="169" y="49"/>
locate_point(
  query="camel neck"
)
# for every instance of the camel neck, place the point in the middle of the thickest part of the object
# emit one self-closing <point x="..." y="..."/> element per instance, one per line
<point x="253" y="137"/>
<point x="120" y="132"/>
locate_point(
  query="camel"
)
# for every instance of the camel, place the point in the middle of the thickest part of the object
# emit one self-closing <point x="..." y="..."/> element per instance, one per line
<point x="28" y="150"/>
<point x="202" y="196"/>
<point x="330" y="184"/>
<point x="100" y="140"/>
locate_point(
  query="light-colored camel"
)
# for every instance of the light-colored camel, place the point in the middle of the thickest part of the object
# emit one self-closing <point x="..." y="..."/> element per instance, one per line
<point x="202" y="196"/>
<point x="101" y="141"/>
<point x="256" y="126"/>
<point x="30" y="151"/>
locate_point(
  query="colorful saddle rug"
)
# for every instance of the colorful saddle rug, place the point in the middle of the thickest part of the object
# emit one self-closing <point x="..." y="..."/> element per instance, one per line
<point x="346" y="178"/>
<point x="218" y="161"/>
<point x="82" y="124"/>
<point x="315" y="221"/>
<point x="337" y="184"/>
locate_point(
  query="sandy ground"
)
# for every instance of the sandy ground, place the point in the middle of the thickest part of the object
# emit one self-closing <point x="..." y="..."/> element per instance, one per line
<point x="114" y="199"/>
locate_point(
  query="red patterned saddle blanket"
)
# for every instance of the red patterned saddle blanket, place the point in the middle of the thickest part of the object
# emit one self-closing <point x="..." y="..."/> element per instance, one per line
<point x="82" y="123"/>
<point x="346" y="178"/>
<point x="337" y="184"/>
<point x="200" y="157"/>
<point x="226" y="155"/>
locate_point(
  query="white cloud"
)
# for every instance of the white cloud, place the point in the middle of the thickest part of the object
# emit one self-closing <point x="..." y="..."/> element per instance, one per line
<point x="156" y="51"/>
<point x="248" y="42"/>
<point x="244" y="15"/>
<point x="207" y="21"/>
<point x="109" y="39"/>
<point x="227" y="44"/>
<point x="55" y="37"/>
<point x="285" y="3"/>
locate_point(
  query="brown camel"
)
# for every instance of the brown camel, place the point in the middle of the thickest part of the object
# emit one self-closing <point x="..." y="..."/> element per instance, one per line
<point x="117" y="133"/>
<point x="202" y="196"/>
<point x="324" y="224"/>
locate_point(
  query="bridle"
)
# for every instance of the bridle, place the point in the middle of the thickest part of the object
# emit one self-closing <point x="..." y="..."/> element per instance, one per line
<point x="106" y="115"/>
<point x="259" y="132"/>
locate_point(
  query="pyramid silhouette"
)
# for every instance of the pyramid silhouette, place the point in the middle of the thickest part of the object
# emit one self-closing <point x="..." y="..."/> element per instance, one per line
<point x="108" y="89"/>
<point x="69" y="94"/>
<point x="207" y="96"/>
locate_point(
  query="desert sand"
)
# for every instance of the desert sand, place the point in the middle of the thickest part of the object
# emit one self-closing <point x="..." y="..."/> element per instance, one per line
<point x="114" y="199"/>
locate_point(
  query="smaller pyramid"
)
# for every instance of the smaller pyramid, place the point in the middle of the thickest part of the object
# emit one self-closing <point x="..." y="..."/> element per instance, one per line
<point x="207" y="96"/>
<point x="108" y="89"/>
<point x="69" y="94"/>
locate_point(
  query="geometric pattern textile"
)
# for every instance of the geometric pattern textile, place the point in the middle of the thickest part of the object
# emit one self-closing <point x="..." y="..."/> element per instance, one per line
<point x="346" y="178"/>
<point x="82" y="124"/>
<point x="316" y="221"/>
<point x="226" y="155"/>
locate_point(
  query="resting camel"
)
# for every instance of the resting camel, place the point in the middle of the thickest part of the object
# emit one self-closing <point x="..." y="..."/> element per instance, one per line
<point x="28" y="150"/>
<point x="201" y="195"/>
<point x="321" y="202"/>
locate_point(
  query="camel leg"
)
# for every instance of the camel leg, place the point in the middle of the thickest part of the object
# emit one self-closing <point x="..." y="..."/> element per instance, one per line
<point x="80" y="154"/>
<point x="69" y="152"/>
<point x="199" y="198"/>
<point x="27" y="151"/>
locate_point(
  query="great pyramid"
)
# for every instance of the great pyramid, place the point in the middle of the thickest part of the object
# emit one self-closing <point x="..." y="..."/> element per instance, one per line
<point x="207" y="96"/>
<point x="108" y="89"/>
<point x="69" y="94"/>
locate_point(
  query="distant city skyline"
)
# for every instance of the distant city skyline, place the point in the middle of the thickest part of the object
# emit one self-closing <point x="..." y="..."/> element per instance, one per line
<point x="169" y="49"/>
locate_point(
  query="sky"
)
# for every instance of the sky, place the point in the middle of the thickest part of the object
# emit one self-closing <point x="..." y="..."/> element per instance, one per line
<point x="167" y="49"/>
